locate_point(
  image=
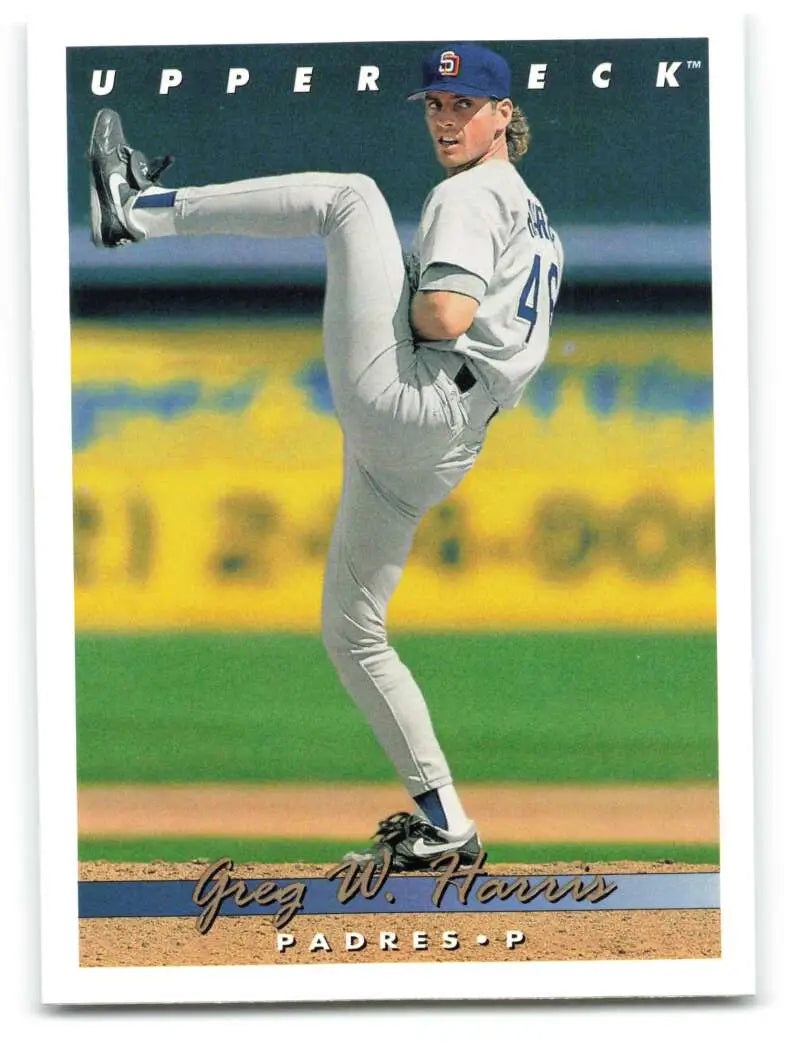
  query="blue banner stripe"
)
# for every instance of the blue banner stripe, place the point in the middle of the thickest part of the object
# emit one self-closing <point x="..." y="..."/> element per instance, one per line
<point x="407" y="894"/>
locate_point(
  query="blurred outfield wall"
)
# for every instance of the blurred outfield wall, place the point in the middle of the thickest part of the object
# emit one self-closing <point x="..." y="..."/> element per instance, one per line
<point x="207" y="470"/>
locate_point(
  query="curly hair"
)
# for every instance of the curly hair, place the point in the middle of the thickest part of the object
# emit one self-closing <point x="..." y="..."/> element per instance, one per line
<point x="518" y="135"/>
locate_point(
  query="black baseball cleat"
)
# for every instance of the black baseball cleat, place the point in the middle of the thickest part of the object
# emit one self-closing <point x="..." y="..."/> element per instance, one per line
<point x="118" y="174"/>
<point x="414" y="843"/>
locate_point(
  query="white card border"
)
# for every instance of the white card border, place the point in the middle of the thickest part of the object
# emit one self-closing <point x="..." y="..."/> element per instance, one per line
<point x="63" y="981"/>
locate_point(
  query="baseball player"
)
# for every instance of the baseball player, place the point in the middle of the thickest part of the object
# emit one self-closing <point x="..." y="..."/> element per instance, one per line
<point x="421" y="353"/>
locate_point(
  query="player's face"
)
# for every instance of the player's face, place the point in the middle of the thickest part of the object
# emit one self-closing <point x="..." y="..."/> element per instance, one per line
<point x="466" y="130"/>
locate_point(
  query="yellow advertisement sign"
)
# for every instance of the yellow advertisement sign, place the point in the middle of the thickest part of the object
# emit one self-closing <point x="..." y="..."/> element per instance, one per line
<point x="207" y="470"/>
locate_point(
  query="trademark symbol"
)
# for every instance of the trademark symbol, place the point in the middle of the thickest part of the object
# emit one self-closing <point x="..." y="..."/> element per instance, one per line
<point x="694" y="63"/>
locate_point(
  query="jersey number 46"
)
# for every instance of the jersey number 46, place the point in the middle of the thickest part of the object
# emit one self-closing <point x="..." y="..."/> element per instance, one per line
<point x="528" y="307"/>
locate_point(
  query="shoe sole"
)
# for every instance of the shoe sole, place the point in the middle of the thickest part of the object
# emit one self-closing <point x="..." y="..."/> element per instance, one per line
<point x="95" y="216"/>
<point x="422" y="864"/>
<point x="95" y="207"/>
<point x="401" y="863"/>
<point x="99" y="202"/>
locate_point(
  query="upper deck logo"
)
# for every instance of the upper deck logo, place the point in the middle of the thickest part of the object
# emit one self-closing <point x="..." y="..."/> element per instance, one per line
<point x="449" y="63"/>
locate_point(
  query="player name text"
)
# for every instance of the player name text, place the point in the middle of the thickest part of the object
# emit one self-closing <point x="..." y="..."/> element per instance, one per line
<point x="450" y="883"/>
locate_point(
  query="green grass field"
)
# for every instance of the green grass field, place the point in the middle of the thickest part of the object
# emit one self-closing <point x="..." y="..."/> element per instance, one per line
<point x="206" y="848"/>
<point x="554" y="707"/>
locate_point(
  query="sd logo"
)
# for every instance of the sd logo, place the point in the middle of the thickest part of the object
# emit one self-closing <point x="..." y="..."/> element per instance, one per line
<point x="449" y="63"/>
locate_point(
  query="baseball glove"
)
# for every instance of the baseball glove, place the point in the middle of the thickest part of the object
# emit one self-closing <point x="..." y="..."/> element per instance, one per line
<point x="411" y="262"/>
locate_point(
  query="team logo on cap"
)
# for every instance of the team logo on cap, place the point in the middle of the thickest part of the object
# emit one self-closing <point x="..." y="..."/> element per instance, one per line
<point x="449" y="63"/>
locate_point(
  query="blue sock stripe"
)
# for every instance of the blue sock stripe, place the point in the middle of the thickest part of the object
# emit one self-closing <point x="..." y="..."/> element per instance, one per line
<point x="430" y="803"/>
<point x="157" y="199"/>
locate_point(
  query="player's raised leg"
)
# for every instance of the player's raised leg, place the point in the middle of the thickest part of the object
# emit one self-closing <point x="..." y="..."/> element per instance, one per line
<point x="367" y="336"/>
<point x="368" y="339"/>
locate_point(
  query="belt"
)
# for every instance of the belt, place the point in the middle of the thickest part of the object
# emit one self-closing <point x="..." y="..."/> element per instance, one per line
<point x="465" y="379"/>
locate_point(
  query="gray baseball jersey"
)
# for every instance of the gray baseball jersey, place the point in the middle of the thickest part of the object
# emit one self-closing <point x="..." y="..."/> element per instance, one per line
<point x="485" y="234"/>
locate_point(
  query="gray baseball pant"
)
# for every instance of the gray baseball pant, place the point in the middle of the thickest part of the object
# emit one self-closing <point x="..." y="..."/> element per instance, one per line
<point x="410" y="435"/>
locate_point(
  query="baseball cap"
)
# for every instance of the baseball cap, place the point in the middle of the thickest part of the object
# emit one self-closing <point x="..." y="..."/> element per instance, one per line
<point x="465" y="69"/>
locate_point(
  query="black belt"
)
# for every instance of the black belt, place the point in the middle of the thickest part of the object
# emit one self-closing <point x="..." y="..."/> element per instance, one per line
<point x="465" y="379"/>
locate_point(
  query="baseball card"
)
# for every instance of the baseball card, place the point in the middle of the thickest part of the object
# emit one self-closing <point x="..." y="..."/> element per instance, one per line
<point x="392" y="540"/>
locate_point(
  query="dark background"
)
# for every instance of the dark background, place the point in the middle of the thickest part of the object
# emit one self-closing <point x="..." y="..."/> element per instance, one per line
<point x="628" y="153"/>
<point x="622" y="171"/>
